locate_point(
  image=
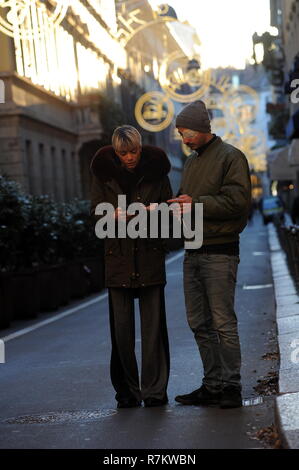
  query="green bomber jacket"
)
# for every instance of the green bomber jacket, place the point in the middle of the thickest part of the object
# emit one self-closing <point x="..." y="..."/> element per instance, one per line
<point x="220" y="179"/>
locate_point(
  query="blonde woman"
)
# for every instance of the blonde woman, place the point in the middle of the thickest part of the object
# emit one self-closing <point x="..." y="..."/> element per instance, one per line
<point x="134" y="268"/>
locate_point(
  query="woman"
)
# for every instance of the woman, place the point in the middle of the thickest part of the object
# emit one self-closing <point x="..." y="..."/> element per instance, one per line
<point x="134" y="267"/>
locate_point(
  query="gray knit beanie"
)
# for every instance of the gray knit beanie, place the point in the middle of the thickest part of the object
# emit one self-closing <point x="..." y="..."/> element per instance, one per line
<point x="194" y="116"/>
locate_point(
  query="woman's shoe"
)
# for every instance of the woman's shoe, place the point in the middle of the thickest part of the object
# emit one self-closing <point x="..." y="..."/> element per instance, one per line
<point x="149" y="402"/>
<point x="130" y="403"/>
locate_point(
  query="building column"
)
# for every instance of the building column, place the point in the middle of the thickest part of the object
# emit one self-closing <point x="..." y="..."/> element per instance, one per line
<point x="70" y="174"/>
<point x="76" y="174"/>
<point x="11" y="159"/>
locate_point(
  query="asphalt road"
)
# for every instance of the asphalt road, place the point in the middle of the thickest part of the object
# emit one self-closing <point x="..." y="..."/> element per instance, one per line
<point x="55" y="385"/>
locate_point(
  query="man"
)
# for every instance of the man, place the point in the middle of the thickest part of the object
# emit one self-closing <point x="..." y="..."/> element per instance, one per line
<point x="134" y="267"/>
<point x="216" y="174"/>
<point x="295" y="211"/>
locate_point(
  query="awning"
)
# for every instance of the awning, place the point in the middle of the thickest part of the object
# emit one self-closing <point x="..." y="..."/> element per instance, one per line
<point x="292" y="129"/>
<point x="279" y="167"/>
<point x="294" y="152"/>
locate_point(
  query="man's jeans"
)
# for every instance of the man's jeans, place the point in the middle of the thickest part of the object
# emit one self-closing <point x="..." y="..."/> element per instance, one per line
<point x="209" y="286"/>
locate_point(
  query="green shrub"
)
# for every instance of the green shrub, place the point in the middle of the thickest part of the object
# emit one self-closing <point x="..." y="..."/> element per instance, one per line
<point x="13" y="216"/>
<point x="37" y="231"/>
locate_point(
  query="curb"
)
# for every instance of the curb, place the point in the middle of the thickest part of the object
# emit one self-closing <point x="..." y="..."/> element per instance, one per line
<point x="287" y="319"/>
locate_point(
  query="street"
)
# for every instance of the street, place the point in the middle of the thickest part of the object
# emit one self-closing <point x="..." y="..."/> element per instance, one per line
<point x="55" y="384"/>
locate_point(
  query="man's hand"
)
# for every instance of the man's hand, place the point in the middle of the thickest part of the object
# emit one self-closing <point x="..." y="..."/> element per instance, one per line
<point x="184" y="201"/>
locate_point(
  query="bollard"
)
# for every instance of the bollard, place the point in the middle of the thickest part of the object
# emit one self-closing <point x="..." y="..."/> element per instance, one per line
<point x="2" y="352"/>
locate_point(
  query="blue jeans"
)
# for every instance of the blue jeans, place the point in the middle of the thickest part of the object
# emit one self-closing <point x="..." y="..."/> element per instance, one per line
<point x="209" y="287"/>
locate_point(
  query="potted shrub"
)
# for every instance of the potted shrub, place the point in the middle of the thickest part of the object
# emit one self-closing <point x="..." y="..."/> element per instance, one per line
<point x="87" y="248"/>
<point x="40" y="249"/>
<point x="13" y="210"/>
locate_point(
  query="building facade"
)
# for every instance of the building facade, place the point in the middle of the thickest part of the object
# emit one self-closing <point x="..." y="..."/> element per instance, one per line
<point x="59" y="61"/>
<point x="49" y="72"/>
<point x="281" y="60"/>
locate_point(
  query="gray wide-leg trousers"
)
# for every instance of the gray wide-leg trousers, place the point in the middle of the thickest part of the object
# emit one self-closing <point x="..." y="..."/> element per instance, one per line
<point x="155" y="361"/>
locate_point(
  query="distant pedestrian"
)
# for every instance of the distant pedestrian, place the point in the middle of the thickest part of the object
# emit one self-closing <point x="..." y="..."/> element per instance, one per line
<point x="295" y="211"/>
<point x="251" y="211"/>
<point x="134" y="267"/>
<point x="217" y="175"/>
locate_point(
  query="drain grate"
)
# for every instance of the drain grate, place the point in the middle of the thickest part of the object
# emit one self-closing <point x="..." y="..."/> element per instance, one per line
<point x="62" y="417"/>
<point x="253" y="401"/>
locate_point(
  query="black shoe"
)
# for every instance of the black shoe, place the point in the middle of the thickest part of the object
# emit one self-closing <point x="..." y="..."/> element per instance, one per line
<point x="130" y="403"/>
<point x="231" y="397"/>
<point x="149" y="402"/>
<point x="200" y="397"/>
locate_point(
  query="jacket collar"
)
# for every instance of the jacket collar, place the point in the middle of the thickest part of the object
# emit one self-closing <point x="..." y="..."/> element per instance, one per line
<point x="154" y="164"/>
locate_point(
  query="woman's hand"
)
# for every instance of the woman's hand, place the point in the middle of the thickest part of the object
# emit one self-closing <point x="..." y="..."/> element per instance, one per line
<point x="152" y="207"/>
<point x="120" y="214"/>
<point x="184" y="201"/>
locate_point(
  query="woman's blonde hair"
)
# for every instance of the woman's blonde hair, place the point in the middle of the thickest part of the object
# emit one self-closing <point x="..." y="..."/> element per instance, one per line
<point x="126" y="138"/>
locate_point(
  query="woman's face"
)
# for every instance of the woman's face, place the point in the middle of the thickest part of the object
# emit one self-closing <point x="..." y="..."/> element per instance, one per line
<point x="129" y="158"/>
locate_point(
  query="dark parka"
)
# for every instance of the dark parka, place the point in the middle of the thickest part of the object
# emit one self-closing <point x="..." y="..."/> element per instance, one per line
<point x="219" y="178"/>
<point x="132" y="262"/>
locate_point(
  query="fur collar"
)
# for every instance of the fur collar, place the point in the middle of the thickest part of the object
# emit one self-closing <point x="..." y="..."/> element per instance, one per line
<point x="153" y="165"/>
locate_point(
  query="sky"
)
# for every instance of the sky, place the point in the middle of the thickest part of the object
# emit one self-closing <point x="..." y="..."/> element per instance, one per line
<point x="225" y="27"/>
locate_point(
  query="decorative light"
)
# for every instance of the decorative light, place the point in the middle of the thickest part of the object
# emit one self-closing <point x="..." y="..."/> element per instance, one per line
<point x="19" y="11"/>
<point x="155" y="68"/>
<point x="100" y="36"/>
<point x="154" y="111"/>
<point x="115" y="77"/>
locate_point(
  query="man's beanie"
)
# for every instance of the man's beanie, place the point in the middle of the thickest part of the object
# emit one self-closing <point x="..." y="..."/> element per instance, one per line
<point x="194" y="116"/>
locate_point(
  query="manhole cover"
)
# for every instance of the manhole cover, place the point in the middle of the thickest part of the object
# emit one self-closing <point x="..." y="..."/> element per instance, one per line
<point x="61" y="417"/>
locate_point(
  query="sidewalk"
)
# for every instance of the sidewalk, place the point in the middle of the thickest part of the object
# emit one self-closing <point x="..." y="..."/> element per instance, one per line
<point x="287" y="314"/>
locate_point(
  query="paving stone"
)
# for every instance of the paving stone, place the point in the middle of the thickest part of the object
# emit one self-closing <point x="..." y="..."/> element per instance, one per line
<point x="283" y="291"/>
<point x="283" y="267"/>
<point x="281" y="275"/>
<point x="287" y="412"/>
<point x="289" y="381"/>
<point x="288" y="311"/>
<point x="283" y="282"/>
<point x="288" y="324"/>
<point x="287" y="300"/>
<point x="289" y="337"/>
<point x="289" y="356"/>
<point x="286" y="292"/>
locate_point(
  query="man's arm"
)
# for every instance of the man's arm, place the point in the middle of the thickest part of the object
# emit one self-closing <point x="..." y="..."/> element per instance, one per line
<point x="234" y="197"/>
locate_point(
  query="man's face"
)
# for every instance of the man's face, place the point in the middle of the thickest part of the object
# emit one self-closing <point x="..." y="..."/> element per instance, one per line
<point x="193" y="139"/>
<point x="129" y="158"/>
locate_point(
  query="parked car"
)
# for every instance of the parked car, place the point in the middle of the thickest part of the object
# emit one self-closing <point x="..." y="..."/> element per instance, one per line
<point x="272" y="208"/>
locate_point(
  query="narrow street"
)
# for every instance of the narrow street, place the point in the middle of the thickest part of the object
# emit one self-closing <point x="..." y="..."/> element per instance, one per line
<point x="55" y="385"/>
